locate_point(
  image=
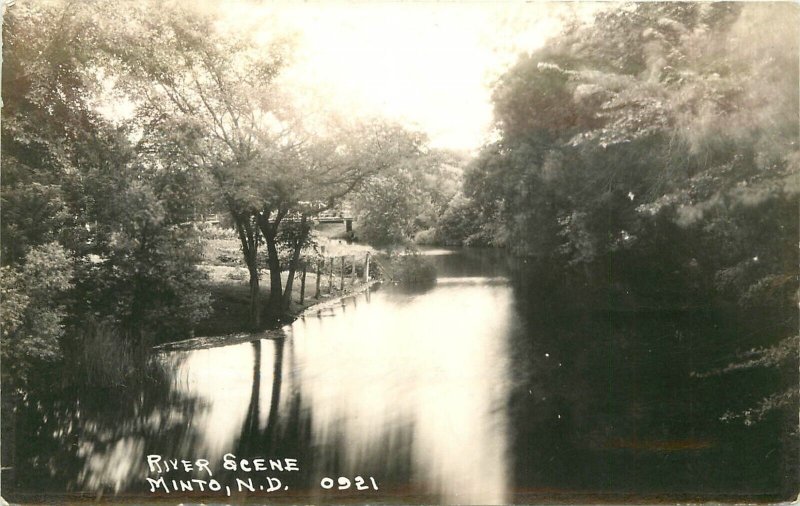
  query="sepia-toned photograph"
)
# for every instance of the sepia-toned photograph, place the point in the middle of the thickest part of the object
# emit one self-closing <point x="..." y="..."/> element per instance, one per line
<point x="399" y="252"/>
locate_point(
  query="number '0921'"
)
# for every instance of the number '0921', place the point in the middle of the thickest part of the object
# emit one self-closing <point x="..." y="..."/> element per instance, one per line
<point x="342" y="483"/>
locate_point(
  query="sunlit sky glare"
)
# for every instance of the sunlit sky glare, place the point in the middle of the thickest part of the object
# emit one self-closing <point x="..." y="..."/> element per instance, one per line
<point x="429" y="65"/>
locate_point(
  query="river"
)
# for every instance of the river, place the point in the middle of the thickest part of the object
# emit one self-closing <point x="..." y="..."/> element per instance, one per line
<point x="459" y="393"/>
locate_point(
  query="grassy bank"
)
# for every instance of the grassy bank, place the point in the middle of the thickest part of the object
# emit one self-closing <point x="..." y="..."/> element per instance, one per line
<point x="228" y="278"/>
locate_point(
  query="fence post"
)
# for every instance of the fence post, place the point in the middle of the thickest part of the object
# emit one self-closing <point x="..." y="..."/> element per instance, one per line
<point x="341" y="275"/>
<point x="330" y="277"/>
<point x="366" y="268"/>
<point x="319" y="277"/>
<point x="303" y="283"/>
<point x="353" y="273"/>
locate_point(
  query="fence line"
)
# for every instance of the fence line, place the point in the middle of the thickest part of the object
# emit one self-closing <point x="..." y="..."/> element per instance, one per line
<point x="319" y="266"/>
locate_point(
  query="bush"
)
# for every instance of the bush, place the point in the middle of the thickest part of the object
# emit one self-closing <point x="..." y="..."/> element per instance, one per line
<point x="460" y="222"/>
<point x="148" y="280"/>
<point x="32" y="316"/>
<point x="426" y="237"/>
<point x="409" y="269"/>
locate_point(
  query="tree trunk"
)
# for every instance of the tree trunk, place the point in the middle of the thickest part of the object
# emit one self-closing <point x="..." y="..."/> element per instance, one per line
<point x="270" y="231"/>
<point x="248" y="236"/>
<point x="255" y="292"/>
<point x="303" y="283"/>
<point x="299" y="243"/>
<point x="274" y="303"/>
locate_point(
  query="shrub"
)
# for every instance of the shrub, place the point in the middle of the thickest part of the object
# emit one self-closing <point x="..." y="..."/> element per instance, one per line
<point x="33" y="313"/>
<point x="426" y="237"/>
<point x="459" y="222"/>
<point x="409" y="269"/>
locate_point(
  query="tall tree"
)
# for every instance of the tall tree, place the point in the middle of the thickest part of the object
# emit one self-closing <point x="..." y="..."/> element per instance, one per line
<point x="205" y="100"/>
<point x="654" y="109"/>
<point x="69" y="172"/>
<point x="49" y="128"/>
<point x="212" y="95"/>
<point x="657" y="148"/>
<point x="325" y="170"/>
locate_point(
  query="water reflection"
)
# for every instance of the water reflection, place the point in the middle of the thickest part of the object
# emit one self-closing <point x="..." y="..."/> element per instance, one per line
<point x="224" y="380"/>
<point x="474" y="391"/>
<point x="423" y="377"/>
<point x="407" y="388"/>
<point x="97" y="439"/>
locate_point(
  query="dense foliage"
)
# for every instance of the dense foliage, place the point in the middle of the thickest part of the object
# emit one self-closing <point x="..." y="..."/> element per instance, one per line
<point x="93" y="224"/>
<point x="33" y="310"/>
<point x="406" y="201"/>
<point x="119" y="128"/>
<point x="651" y="159"/>
<point x="648" y="159"/>
<point x="207" y="100"/>
<point x="646" y="164"/>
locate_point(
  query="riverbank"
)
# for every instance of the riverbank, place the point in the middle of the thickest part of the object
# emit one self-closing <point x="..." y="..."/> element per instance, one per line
<point x="311" y="306"/>
<point x="230" y="292"/>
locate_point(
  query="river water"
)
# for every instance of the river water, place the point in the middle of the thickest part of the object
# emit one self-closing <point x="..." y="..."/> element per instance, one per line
<point x="468" y="392"/>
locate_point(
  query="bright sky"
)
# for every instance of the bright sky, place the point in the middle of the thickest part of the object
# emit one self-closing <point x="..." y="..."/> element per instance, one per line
<point x="430" y="65"/>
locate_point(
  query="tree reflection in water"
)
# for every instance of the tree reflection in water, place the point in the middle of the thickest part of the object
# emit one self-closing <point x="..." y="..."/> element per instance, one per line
<point x="480" y="390"/>
<point x="96" y="439"/>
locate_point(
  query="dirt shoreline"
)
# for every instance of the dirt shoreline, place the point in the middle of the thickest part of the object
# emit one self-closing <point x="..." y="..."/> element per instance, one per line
<point x="279" y="332"/>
